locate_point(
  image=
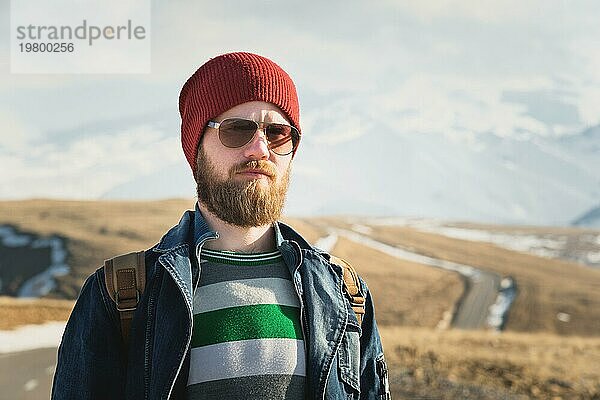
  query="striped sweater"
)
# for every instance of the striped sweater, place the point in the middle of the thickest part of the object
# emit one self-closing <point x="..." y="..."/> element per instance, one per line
<point x="247" y="340"/>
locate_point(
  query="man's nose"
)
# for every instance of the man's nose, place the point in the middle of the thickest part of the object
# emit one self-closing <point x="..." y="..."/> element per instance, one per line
<point x="258" y="147"/>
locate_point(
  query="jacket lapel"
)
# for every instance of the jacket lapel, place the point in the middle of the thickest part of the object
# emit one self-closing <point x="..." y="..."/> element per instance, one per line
<point x="326" y="318"/>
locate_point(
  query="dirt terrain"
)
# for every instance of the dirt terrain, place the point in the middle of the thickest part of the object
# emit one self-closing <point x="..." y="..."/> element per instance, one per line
<point x="433" y="364"/>
<point x="539" y="356"/>
<point x="546" y="287"/>
<point x="16" y="312"/>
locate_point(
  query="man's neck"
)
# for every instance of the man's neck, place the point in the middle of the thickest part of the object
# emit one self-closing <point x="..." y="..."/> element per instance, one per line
<point x="253" y="239"/>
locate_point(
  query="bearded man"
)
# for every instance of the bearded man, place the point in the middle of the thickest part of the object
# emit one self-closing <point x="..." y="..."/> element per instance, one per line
<point x="230" y="303"/>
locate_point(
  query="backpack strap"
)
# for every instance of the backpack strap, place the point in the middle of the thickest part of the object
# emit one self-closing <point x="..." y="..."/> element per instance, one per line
<point x="125" y="279"/>
<point x="352" y="287"/>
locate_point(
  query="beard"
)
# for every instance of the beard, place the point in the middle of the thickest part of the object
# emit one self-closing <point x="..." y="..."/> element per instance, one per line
<point x="241" y="203"/>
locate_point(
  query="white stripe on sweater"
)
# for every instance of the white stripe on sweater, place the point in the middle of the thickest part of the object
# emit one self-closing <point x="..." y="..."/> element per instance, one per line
<point x="245" y="292"/>
<point x="246" y="358"/>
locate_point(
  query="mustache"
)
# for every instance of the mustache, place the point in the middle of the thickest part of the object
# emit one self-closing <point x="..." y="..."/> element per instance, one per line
<point x="263" y="166"/>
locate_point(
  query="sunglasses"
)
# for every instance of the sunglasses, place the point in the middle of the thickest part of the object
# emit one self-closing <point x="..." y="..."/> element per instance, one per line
<point x="282" y="139"/>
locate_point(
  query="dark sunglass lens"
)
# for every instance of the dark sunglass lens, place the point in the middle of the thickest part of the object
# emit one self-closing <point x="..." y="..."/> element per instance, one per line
<point x="236" y="132"/>
<point x="281" y="138"/>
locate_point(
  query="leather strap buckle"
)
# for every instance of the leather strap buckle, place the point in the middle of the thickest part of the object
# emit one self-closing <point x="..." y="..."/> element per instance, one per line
<point x="118" y="301"/>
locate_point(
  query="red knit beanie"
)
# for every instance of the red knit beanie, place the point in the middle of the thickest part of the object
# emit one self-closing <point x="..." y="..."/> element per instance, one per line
<point x="224" y="82"/>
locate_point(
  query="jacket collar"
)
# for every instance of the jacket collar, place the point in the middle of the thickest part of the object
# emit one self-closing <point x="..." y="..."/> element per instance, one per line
<point x="181" y="233"/>
<point x="285" y="233"/>
<point x="177" y="236"/>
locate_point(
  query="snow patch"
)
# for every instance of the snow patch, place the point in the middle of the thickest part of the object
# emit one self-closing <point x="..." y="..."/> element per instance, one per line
<point x="327" y="243"/>
<point x="500" y="308"/>
<point x="540" y="246"/>
<point x="583" y="248"/>
<point x="10" y="238"/>
<point x="42" y="283"/>
<point x="29" y="337"/>
<point x="593" y="257"/>
<point x="365" y="230"/>
<point x="397" y="252"/>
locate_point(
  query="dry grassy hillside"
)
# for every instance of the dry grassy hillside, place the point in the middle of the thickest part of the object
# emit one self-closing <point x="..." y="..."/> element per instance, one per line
<point x="96" y="230"/>
<point x="16" y="312"/>
<point x="545" y="287"/>
<point x="93" y="230"/>
<point x="433" y="364"/>
<point x="425" y="363"/>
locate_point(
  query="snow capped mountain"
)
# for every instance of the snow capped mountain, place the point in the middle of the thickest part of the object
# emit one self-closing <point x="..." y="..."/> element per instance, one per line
<point x="483" y="177"/>
<point x="590" y="219"/>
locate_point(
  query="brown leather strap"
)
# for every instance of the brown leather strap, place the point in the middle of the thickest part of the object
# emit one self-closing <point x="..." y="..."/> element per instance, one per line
<point x="125" y="278"/>
<point x="352" y="287"/>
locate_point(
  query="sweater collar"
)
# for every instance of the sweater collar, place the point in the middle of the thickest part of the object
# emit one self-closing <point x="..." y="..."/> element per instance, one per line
<point x="183" y="234"/>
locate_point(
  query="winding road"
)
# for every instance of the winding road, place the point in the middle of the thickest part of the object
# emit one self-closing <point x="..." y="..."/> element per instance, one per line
<point x="481" y="287"/>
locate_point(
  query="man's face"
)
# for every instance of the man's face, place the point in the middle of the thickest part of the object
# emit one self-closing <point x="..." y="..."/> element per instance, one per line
<point x="243" y="186"/>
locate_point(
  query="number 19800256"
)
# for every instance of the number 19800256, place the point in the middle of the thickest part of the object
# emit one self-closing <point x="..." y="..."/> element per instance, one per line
<point x="46" y="47"/>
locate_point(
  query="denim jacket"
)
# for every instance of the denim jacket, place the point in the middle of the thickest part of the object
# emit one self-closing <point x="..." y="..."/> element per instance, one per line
<point x="344" y="358"/>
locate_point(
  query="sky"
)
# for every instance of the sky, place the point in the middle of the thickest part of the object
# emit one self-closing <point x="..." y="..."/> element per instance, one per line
<point x="462" y="69"/>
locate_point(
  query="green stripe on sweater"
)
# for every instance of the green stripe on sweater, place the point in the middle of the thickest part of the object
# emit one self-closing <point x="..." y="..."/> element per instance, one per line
<point x="259" y="321"/>
<point x="242" y="262"/>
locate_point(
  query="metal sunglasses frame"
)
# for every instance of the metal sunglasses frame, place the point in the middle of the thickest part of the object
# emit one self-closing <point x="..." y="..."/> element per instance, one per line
<point x="260" y="125"/>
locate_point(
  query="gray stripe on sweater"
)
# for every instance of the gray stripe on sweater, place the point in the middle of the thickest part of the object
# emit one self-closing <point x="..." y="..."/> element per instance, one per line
<point x="214" y="273"/>
<point x="258" y="387"/>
